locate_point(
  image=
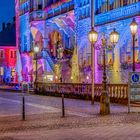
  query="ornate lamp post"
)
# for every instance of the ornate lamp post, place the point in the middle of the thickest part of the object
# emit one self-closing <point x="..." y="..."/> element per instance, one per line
<point x="36" y="50"/>
<point x="104" y="99"/>
<point x="133" y="27"/>
<point x="93" y="37"/>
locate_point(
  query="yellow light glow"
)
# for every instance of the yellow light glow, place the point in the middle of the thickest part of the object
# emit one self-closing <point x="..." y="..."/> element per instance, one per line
<point x="93" y="36"/>
<point x="133" y="27"/>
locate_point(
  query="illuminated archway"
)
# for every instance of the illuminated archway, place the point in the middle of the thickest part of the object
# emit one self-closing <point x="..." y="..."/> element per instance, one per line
<point x="55" y="38"/>
<point x="37" y="37"/>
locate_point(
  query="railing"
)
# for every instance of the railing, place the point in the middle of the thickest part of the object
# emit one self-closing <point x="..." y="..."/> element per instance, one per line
<point x="51" y="61"/>
<point x="117" y="92"/>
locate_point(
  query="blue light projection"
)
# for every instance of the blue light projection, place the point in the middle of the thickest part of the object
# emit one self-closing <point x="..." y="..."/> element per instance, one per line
<point x="24" y="33"/>
<point x="64" y="20"/>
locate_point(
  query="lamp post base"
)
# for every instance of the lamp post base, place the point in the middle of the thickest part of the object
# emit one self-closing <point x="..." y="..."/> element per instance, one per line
<point x="104" y="103"/>
<point x="92" y="101"/>
<point x="36" y="91"/>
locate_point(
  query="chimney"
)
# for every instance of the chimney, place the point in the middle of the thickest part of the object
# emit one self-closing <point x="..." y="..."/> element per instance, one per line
<point x="3" y="26"/>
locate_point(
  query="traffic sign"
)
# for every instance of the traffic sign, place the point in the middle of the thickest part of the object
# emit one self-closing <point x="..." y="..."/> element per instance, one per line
<point x="133" y="88"/>
<point x="135" y="78"/>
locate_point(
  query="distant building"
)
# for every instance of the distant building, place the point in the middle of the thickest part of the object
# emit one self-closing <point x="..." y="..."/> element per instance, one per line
<point x="8" y="53"/>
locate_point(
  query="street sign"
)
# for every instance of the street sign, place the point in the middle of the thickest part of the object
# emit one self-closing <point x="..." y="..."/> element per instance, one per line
<point x="25" y="87"/>
<point x="135" y="78"/>
<point x="133" y="88"/>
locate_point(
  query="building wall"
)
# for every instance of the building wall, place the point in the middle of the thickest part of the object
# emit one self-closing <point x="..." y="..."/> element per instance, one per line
<point x="118" y="59"/>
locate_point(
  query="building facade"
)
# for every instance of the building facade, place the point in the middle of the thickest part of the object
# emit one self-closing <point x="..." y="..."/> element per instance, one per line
<point x="8" y="53"/>
<point x="60" y="29"/>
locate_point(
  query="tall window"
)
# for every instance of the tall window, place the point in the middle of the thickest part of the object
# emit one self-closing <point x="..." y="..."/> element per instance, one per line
<point x="1" y="53"/>
<point x="12" y="54"/>
<point x="40" y="4"/>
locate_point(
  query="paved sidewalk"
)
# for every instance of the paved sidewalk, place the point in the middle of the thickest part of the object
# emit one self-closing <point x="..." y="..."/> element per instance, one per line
<point x="53" y="127"/>
<point x="92" y="133"/>
<point x="82" y="121"/>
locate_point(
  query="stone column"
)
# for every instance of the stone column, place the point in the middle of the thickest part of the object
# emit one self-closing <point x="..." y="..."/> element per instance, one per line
<point x="108" y="5"/>
<point x="121" y="3"/>
<point x="45" y="40"/>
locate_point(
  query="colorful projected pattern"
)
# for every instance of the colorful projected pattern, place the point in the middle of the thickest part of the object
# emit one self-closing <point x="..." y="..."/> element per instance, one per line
<point x="52" y="25"/>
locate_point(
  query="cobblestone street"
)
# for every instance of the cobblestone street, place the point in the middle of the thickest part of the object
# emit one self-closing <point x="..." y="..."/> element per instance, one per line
<point x="82" y="121"/>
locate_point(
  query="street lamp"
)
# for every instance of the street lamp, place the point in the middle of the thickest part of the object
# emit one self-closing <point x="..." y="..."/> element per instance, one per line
<point x="93" y="37"/>
<point x="133" y="28"/>
<point x="114" y="37"/>
<point x="104" y="99"/>
<point x="36" y="50"/>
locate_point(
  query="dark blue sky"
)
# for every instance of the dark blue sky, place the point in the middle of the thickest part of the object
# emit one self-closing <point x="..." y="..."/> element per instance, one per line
<point x="7" y="11"/>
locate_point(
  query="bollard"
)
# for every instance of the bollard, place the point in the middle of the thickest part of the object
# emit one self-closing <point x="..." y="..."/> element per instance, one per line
<point x="63" y="106"/>
<point x="23" y="107"/>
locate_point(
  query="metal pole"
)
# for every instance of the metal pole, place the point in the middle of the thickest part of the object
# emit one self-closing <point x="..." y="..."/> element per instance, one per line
<point x="23" y="107"/>
<point x="36" y="75"/>
<point x="63" y="106"/>
<point x="104" y="69"/>
<point x="92" y="69"/>
<point x="133" y="38"/>
<point x="92" y="13"/>
<point x="92" y="53"/>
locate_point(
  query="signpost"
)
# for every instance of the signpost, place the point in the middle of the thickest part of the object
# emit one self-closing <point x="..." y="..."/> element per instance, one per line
<point x="133" y="88"/>
<point x="25" y="89"/>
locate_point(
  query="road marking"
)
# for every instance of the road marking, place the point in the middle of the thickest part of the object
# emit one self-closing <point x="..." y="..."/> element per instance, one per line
<point x="49" y="108"/>
<point x="79" y="114"/>
<point x="46" y="108"/>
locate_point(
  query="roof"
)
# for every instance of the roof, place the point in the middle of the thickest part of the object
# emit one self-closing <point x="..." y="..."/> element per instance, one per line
<point x="8" y="36"/>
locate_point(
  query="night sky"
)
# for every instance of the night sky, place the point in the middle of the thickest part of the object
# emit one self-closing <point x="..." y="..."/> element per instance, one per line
<point x="7" y="11"/>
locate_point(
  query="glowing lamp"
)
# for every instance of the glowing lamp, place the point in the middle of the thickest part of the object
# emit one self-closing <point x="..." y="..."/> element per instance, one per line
<point x="45" y="77"/>
<point x="71" y="78"/>
<point x="93" y="36"/>
<point x="56" y="77"/>
<point x="114" y="37"/>
<point x="133" y="27"/>
<point x="36" y="49"/>
<point x="87" y="77"/>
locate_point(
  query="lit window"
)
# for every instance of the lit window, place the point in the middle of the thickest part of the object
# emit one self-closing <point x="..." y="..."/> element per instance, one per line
<point x="12" y="54"/>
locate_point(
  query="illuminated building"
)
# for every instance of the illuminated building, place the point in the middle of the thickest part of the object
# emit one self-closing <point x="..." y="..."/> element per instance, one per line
<point x="53" y="25"/>
<point x="8" y="53"/>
